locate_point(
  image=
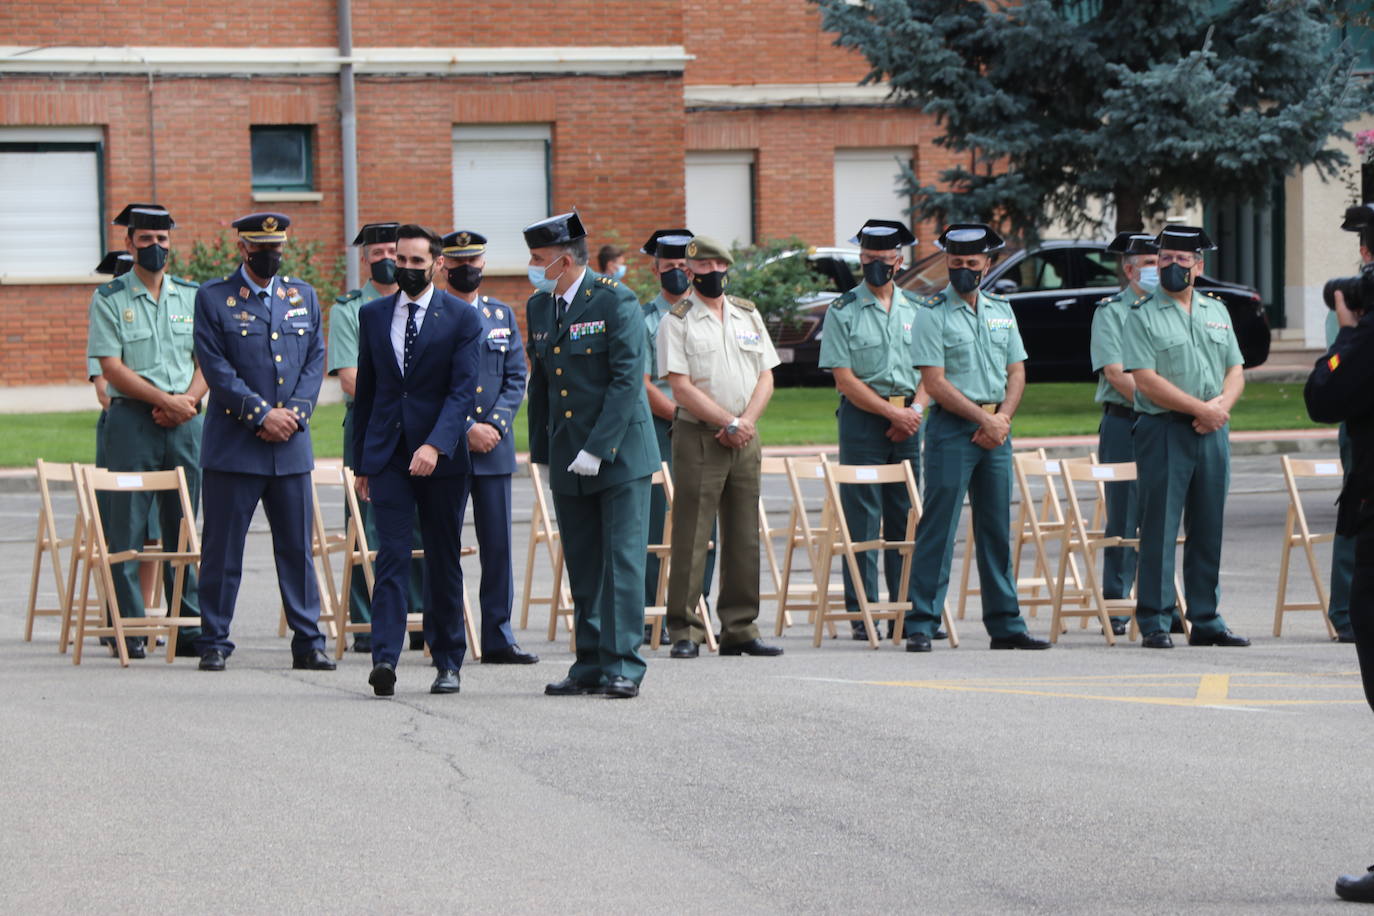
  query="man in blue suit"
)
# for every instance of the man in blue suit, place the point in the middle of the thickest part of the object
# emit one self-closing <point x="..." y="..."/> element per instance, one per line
<point x="417" y="374"/>
<point x="491" y="443"/>
<point x="260" y="346"/>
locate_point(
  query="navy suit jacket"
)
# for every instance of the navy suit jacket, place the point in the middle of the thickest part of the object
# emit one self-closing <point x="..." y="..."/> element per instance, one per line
<point x="255" y="358"/>
<point x="431" y="403"/>
<point x="501" y="378"/>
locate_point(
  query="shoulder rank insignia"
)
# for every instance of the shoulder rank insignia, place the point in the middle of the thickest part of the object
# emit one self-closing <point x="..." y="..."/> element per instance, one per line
<point x="742" y="303"/>
<point x="114" y="286"/>
<point x="349" y="297"/>
<point x="931" y="301"/>
<point x="844" y="300"/>
<point x="681" y="309"/>
<point x="182" y="281"/>
<point x="1141" y="301"/>
<point x="608" y="281"/>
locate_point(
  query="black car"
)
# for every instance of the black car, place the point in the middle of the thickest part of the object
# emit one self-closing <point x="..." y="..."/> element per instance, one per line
<point x="1053" y="290"/>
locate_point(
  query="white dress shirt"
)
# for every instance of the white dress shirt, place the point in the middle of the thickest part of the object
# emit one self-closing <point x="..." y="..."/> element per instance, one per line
<point x="398" y="321"/>
<point x="565" y="301"/>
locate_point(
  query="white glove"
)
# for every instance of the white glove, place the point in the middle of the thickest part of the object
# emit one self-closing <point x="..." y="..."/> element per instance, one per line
<point x="585" y="465"/>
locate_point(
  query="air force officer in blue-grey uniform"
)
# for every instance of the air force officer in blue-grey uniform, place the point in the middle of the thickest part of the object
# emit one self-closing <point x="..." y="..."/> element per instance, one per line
<point x="259" y="344"/>
<point x="501" y="373"/>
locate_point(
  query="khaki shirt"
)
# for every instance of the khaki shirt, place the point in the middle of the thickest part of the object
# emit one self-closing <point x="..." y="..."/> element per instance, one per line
<point x="974" y="347"/>
<point x="1193" y="351"/>
<point x="871" y="341"/>
<point x="722" y="358"/>
<point x="153" y="338"/>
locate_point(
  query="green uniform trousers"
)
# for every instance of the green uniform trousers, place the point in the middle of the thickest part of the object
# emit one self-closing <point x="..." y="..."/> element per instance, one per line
<point x="359" y="601"/>
<point x="606" y="576"/>
<point x="863" y="440"/>
<point x="1342" y="554"/>
<point x="955" y="466"/>
<point x="712" y="480"/>
<point x="658" y="511"/>
<point x="1114" y="444"/>
<point x="1182" y="478"/>
<point x="133" y="442"/>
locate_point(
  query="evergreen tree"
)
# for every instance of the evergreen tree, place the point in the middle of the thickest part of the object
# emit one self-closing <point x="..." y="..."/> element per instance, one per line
<point x="1061" y="102"/>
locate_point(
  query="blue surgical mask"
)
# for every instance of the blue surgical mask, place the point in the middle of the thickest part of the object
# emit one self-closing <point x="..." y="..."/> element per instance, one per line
<point x="618" y="273"/>
<point x="540" y="282"/>
<point x="1149" y="278"/>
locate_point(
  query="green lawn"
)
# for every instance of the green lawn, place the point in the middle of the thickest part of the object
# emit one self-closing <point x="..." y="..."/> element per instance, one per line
<point x="797" y="416"/>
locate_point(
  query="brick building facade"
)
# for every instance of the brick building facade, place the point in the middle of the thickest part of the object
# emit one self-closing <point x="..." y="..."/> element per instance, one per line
<point x="618" y="107"/>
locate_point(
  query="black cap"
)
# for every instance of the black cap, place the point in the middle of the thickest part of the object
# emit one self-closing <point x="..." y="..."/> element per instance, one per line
<point x="556" y="230"/>
<point x="464" y="243"/>
<point x="883" y="235"/>
<point x="1357" y="218"/>
<point x="1128" y="243"/>
<point x="1184" y="238"/>
<point x="145" y="216"/>
<point x="969" y="238"/>
<point x="377" y="234"/>
<point x="116" y="263"/>
<point x="668" y="243"/>
<point x="262" y="227"/>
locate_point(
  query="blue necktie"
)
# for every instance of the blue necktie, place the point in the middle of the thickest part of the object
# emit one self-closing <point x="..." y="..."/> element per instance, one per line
<point x="411" y="333"/>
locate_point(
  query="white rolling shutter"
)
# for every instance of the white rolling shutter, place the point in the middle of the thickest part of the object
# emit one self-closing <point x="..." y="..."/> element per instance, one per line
<point x="720" y="195"/>
<point x="500" y="186"/>
<point x="50" y="220"/>
<point x="866" y="187"/>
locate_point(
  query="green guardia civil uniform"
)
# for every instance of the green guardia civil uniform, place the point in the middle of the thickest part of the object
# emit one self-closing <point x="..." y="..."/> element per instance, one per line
<point x="586" y="393"/>
<point x="1343" y="546"/>
<point x="155" y="339"/>
<point x="1180" y="473"/>
<point x="343" y="354"/>
<point x="874" y="343"/>
<point x="654" y="311"/>
<point x="974" y="347"/>
<point x="1114" y="442"/>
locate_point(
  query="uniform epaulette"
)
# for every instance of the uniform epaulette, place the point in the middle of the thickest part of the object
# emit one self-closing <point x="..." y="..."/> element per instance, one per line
<point x="1114" y="297"/>
<point x="844" y="300"/>
<point x="1141" y="301"/>
<point x="349" y="297"/>
<point x="996" y="298"/>
<point x="742" y="303"/>
<point x="608" y="282"/>
<point x="114" y="286"/>
<point x="1211" y="298"/>
<point x="182" y="281"/>
<point x="681" y="309"/>
<point x="931" y="301"/>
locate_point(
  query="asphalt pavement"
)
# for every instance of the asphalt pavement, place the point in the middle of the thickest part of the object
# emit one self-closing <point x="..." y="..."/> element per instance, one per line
<point x="1085" y="779"/>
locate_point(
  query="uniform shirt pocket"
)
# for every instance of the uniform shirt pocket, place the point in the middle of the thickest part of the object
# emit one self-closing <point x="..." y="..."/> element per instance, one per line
<point x="248" y="343"/>
<point x="959" y="351"/>
<point x="590" y="345"/>
<point x="139" y="350"/>
<point x="1172" y="356"/>
<point x="867" y="361"/>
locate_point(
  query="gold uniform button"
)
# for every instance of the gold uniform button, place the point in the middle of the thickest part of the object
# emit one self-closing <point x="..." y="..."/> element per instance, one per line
<point x="568" y="414"/>
<point x="479" y="410"/>
<point x="274" y="335"/>
<point x="479" y="389"/>
<point x="281" y="381"/>
<point x="558" y="371"/>
<point x="556" y="350"/>
<point x="244" y="332"/>
<point x="300" y="331"/>
<point x="278" y="357"/>
<point x="589" y="349"/>
<point x="279" y="404"/>
<point x="503" y="349"/>
<point x="227" y="411"/>
<point x="564" y="392"/>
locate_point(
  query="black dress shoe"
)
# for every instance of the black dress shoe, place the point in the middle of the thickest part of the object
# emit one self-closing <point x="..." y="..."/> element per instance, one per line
<point x="511" y="655"/>
<point x="685" y="648"/>
<point x="446" y="681"/>
<point x="859" y="633"/>
<point x="1224" y="638"/>
<point x="1019" y="641"/>
<point x="1120" y="625"/>
<point x="362" y="643"/>
<point x="383" y="679"/>
<point x="1345" y="634"/>
<point x="940" y="633"/>
<point x="754" y="646"/>
<point x="417" y="641"/>
<point x="314" y="660"/>
<point x="618" y="688"/>
<point x="136" y="649"/>
<point x="918" y="642"/>
<point x="1160" y="640"/>
<point x="212" y="660"/>
<point x="1356" y="888"/>
<point x="570" y="688"/>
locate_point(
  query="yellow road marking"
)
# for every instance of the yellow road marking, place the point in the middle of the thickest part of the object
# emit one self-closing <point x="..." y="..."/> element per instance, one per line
<point x="1212" y="688"/>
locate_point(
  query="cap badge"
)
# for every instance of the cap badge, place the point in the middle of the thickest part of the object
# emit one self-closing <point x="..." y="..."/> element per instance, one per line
<point x="269" y="224"/>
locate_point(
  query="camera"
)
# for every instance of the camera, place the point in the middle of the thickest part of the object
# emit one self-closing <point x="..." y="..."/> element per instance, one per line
<point x="1358" y="291"/>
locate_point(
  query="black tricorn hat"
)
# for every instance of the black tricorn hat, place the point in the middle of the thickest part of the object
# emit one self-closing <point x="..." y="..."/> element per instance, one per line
<point x="556" y="230"/>
<point x="1184" y="238"/>
<point x="116" y="263"/>
<point x="377" y="234"/>
<point x="668" y="243"/>
<point x="883" y="235"/>
<point x="1357" y="218"/>
<point x="145" y="216"/>
<point x="969" y="238"/>
<point x="1127" y="243"/>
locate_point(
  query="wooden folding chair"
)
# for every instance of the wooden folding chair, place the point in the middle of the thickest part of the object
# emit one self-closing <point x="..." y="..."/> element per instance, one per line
<point x="770" y="466"/>
<point x="1296" y="533"/>
<point x="363" y="555"/>
<point x="49" y="544"/>
<point x="544" y="532"/>
<point x="1077" y="540"/>
<point x="100" y="562"/>
<point x="326" y="543"/>
<point x="838" y="542"/>
<point x="796" y="594"/>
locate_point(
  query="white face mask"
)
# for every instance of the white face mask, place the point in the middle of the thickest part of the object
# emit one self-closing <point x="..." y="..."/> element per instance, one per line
<point x="1149" y="278"/>
<point x="540" y="281"/>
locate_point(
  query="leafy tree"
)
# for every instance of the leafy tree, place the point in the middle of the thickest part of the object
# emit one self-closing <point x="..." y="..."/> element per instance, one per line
<point x="303" y="260"/>
<point x="1061" y="102"/>
<point x="774" y="275"/>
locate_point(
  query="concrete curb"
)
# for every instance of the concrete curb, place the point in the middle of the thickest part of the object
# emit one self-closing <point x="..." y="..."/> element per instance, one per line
<point x="1275" y="442"/>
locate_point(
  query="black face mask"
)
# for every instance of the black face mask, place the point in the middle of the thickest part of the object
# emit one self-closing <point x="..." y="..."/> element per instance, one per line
<point x="965" y="280"/>
<point x="152" y="257"/>
<point x="413" y="280"/>
<point x="465" y="278"/>
<point x="711" y="285"/>
<point x="384" y="271"/>
<point x="1175" y="278"/>
<point x="878" y="273"/>
<point x="674" y="281"/>
<point x="265" y="264"/>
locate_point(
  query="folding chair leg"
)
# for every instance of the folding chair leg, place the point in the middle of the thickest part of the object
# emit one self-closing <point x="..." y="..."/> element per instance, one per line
<point x="949" y="627"/>
<point x="1284" y="559"/>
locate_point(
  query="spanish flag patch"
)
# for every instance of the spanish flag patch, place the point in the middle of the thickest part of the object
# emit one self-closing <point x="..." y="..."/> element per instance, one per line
<point x="1333" y="362"/>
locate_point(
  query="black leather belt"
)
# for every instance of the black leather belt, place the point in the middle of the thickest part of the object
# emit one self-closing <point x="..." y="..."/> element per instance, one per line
<point x="1118" y="410"/>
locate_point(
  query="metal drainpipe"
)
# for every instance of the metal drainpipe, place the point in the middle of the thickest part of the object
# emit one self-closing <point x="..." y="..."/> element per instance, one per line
<point x="348" y="127"/>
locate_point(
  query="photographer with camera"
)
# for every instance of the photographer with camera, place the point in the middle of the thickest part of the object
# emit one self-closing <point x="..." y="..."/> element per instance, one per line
<point x="1341" y="389"/>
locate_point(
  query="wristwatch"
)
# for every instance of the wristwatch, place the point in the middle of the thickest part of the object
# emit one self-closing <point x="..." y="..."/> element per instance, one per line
<point x="732" y="428"/>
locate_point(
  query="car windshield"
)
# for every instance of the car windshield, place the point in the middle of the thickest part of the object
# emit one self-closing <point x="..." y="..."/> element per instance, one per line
<point x="927" y="276"/>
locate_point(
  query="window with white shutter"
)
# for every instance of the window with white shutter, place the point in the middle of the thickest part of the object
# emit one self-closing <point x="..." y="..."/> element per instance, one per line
<point x="867" y="186"/>
<point x="720" y="195"/>
<point x="501" y="185"/>
<point x="50" y="201"/>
